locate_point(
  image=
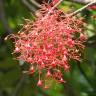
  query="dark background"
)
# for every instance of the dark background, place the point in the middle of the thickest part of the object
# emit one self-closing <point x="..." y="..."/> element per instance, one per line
<point x="81" y="79"/>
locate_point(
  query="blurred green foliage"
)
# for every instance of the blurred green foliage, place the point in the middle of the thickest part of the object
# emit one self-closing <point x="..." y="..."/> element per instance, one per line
<point x="81" y="79"/>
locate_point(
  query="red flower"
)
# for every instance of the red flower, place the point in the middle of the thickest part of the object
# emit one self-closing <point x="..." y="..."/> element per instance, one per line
<point x="48" y="44"/>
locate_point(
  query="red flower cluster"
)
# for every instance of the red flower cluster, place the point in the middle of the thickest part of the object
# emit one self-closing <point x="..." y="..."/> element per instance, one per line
<point x="49" y="43"/>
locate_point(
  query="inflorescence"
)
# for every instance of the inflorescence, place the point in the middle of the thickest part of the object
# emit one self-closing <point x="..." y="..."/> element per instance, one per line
<point x="48" y="44"/>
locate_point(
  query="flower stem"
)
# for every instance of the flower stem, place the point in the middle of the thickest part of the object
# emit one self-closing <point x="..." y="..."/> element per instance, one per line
<point x="81" y="9"/>
<point x="52" y="9"/>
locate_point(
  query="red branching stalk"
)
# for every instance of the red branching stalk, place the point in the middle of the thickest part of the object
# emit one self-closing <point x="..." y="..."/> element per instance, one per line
<point x="47" y="45"/>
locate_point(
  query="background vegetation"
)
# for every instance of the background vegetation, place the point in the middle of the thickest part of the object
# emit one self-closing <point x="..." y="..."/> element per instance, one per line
<point x="81" y="79"/>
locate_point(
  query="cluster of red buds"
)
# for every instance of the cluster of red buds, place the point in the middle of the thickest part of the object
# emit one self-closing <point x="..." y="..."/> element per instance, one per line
<point x="49" y="43"/>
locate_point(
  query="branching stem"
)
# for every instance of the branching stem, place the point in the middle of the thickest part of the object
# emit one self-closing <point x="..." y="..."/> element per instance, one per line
<point x="81" y="9"/>
<point x="52" y="9"/>
<point x="71" y="14"/>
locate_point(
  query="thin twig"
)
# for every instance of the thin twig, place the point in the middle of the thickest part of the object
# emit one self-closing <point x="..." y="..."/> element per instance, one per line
<point x="81" y="9"/>
<point x="52" y="9"/>
<point x="82" y="1"/>
<point x="35" y="3"/>
<point x="18" y="86"/>
<point x="84" y="74"/>
<point x="29" y="6"/>
<point x="3" y="19"/>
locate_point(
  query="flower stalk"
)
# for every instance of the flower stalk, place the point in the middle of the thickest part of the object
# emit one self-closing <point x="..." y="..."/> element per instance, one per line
<point x="52" y="9"/>
<point x="81" y="9"/>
